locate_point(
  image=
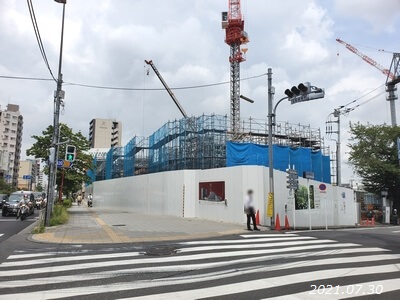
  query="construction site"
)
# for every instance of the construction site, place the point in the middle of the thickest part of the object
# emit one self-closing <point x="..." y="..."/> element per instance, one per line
<point x="205" y="142"/>
<point x="201" y="142"/>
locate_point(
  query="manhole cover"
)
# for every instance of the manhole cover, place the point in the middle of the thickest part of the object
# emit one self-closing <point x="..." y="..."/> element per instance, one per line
<point x="161" y="251"/>
<point x="119" y="225"/>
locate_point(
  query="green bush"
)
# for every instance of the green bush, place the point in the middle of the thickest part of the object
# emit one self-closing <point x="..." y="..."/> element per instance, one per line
<point x="39" y="229"/>
<point x="60" y="215"/>
<point x="67" y="203"/>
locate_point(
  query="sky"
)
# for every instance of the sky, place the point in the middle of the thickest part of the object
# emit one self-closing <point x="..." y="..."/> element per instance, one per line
<point x="107" y="41"/>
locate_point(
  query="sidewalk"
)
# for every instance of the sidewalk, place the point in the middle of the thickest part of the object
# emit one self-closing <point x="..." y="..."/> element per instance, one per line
<point x="94" y="226"/>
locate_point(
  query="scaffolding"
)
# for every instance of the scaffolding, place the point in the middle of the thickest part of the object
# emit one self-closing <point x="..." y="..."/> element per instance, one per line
<point x="199" y="143"/>
<point x="284" y="134"/>
<point x="189" y="143"/>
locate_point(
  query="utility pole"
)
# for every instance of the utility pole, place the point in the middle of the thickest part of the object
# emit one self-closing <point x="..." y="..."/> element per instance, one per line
<point x="58" y="98"/>
<point x="270" y="145"/>
<point x="338" y="149"/>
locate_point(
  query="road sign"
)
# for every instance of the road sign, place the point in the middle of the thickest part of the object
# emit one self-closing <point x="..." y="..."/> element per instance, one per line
<point x="308" y="175"/>
<point x="398" y="148"/>
<point x="61" y="163"/>
<point x="8" y="176"/>
<point x="322" y="188"/>
<point x="27" y="177"/>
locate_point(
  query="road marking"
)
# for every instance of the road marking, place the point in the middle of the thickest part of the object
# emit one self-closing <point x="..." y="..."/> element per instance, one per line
<point x="396" y="231"/>
<point x="255" y="240"/>
<point x="215" y="291"/>
<point x="200" y="266"/>
<point x="202" y="256"/>
<point x="69" y="258"/>
<point x="1" y="234"/>
<point x="255" y="245"/>
<point x="272" y="235"/>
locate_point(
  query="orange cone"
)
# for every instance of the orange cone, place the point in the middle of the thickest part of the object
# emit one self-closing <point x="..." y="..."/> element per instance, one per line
<point x="373" y="221"/>
<point x="258" y="217"/>
<point x="277" y="223"/>
<point x="287" y="226"/>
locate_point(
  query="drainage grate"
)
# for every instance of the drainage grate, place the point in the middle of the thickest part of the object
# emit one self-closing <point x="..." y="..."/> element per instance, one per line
<point x="120" y="225"/>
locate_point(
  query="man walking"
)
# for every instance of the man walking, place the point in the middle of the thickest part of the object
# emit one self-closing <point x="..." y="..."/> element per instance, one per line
<point x="250" y="210"/>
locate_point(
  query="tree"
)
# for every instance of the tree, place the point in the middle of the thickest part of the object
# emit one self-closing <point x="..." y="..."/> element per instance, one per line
<point x="75" y="176"/>
<point x="373" y="153"/>
<point x="39" y="187"/>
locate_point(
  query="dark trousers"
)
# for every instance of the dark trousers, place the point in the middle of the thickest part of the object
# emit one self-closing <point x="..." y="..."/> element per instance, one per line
<point x="253" y="217"/>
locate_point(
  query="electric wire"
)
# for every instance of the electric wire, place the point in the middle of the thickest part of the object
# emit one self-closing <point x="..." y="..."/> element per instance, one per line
<point x="370" y="92"/>
<point x="160" y="89"/>
<point x="38" y="37"/>
<point x="26" y="78"/>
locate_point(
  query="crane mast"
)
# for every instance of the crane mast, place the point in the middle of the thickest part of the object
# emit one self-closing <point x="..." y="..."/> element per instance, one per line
<point x="150" y="62"/>
<point x="394" y="76"/>
<point x="235" y="36"/>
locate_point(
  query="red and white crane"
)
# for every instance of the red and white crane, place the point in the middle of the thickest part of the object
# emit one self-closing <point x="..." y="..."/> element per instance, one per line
<point x="392" y="77"/>
<point x="235" y="36"/>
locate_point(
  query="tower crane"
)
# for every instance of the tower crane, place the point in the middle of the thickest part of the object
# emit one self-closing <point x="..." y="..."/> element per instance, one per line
<point x="392" y="77"/>
<point x="235" y="36"/>
<point x="172" y="95"/>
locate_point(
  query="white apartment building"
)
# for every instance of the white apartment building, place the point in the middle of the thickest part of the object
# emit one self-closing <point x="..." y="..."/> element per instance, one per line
<point x="105" y="133"/>
<point x="11" y="126"/>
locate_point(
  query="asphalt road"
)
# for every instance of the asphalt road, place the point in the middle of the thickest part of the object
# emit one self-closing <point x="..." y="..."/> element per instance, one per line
<point x="335" y="264"/>
<point x="9" y="226"/>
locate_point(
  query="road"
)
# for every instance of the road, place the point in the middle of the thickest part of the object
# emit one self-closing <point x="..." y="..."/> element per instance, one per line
<point x="9" y="226"/>
<point x="337" y="264"/>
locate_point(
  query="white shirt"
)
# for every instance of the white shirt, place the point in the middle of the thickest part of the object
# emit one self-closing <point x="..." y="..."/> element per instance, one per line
<point x="248" y="202"/>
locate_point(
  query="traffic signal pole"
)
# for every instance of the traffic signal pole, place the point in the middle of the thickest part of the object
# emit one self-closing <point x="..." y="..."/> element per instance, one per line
<point x="270" y="145"/>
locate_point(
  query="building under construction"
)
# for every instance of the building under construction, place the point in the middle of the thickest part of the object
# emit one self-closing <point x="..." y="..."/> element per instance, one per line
<point x="202" y="143"/>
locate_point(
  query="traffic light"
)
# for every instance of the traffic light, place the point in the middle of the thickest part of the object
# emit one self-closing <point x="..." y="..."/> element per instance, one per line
<point x="70" y="153"/>
<point x="292" y="179"/>
<point x="301" y="89"/>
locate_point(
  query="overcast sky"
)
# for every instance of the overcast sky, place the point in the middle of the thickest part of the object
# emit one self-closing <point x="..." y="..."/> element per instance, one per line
<point x="106" y="43"/>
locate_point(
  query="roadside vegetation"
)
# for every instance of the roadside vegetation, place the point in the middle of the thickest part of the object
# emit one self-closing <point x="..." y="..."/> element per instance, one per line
<point x="60" y="216"/>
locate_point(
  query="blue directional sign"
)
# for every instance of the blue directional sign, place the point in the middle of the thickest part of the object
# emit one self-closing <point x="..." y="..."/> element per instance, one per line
<point x="27" y="177"/>
<point x="8" y="176"/>
<point x="60" y="163"/>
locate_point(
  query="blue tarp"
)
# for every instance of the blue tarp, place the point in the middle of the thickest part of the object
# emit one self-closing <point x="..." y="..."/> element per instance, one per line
<point x="303" y="159"/>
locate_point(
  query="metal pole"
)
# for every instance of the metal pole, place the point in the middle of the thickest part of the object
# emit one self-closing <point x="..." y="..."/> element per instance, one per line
<point x="57" y="103"/>
<point x="270" y="146"/>
<point x="338" y="156"/>
<point x="309" y="202"/>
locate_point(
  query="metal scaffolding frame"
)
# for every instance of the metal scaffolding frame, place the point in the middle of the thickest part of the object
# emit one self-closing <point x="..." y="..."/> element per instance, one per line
<point x="198" y="143"/>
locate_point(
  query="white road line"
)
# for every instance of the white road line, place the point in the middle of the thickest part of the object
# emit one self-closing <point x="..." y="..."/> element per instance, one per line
<point x="201" y="266"/>
<point x="203" y="256"/>
<point x="225" y="289"/>
<point x="1" y="234"/>
<point x="255" y="245"/>
<point x="267" y="235"/>
<point x="256" y="240"/>
<point x="396" y="231"/>
<point x="347" y="291"/>
<point x="70" y="258"/>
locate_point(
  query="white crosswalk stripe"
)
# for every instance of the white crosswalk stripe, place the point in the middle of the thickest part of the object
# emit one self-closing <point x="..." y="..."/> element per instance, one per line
<point x="281" y="266"/>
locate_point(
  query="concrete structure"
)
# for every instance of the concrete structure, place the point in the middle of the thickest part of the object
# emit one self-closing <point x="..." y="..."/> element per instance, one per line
<point x="178" y="193"/>
<point x="11" y="126"/>
<point x="28" y="174"/>
<point x="105" y="133"/>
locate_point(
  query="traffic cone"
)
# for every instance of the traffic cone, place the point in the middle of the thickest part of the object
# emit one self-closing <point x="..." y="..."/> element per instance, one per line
<point x="287" y="226"/>
<point x="258" y="217"/>
<point x="373" y="221"/>
<point x="277" y="223"/>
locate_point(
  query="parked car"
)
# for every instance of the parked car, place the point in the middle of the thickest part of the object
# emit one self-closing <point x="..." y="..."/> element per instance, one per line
<point x="11" y="206"/>
<point x="3" y="198"/>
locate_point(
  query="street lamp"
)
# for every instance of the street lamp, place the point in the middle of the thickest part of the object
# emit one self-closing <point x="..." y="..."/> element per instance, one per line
<point x="58" y="98"/>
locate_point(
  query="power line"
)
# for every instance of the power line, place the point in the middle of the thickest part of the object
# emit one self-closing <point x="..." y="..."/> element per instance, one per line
<point x="355" y="100"/>
<point x="26" y="78"/>
<point x="128" y="88"/>
<point x="38" y="38"/>
<point x="160" y="89"/>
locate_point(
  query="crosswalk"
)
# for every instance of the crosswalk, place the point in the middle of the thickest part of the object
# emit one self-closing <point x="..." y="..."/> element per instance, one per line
<point x="251" y="266"/>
